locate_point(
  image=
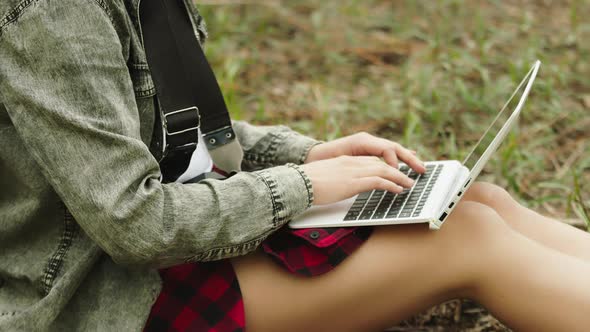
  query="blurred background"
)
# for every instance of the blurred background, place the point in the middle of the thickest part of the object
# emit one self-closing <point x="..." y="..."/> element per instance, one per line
<point x="428" y="74"/>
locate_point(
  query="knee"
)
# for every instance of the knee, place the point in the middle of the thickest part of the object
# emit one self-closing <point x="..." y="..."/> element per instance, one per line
<point x="474" y="225"/>
<point x="489" y="194"/>
<point x="472" y="214"/>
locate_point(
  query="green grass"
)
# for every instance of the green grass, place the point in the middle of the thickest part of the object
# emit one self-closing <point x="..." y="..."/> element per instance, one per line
<point x="429" y="74"/>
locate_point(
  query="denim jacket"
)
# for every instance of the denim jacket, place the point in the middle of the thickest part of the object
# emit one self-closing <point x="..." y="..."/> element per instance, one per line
<point x="84" y="220"/>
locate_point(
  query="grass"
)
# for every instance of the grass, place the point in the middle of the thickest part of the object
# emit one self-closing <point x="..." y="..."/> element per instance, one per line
<point x="429" y="74"/>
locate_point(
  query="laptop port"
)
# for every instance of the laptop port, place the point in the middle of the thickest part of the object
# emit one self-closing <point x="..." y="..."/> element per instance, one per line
<point x="451" y="205"/>
<point x="459" y="194"/>
<point x="467" y="183"/>
<point x="442" y="218"/>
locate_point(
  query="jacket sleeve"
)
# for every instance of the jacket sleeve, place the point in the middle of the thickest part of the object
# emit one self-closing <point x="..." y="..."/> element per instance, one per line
<point x="67" y="90"/>
<point x="266" y="146"/>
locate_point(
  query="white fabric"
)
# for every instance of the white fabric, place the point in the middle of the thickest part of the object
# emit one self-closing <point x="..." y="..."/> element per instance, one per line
<point x="200" y="163"/>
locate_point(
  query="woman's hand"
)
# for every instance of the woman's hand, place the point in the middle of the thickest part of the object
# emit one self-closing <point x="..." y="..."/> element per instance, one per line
<point x="364" y="144"/>
<point x="350" y="165"/>
<point x="342" y="177"/>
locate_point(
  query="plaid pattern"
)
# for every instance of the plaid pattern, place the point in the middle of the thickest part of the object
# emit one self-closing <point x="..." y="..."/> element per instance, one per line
<point x="207" y="297"/>
<point x="314" y="251"/>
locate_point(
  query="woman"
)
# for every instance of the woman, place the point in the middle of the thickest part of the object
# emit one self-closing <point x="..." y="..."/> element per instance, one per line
<point x="86" y="221"/>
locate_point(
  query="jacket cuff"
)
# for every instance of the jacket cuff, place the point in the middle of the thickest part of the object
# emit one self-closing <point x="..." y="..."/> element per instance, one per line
<point x="290" y="190"/>
<point x="293" y="147"/>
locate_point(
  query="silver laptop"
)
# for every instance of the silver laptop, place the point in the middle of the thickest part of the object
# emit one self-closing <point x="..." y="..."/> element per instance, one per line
<point x="434" y="194"/>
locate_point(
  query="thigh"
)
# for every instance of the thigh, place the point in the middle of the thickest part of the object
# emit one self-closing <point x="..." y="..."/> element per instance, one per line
<point x="547" y="231"/>
<point x="399" y="271"/>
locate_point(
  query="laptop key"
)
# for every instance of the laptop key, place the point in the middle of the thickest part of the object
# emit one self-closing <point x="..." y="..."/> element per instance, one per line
<point x="350" y="217"/>
<point x="378" y="215"/>
<point x="366" y="214"/>
<point x="395" y="208"/>
<point x="406" y="211"/>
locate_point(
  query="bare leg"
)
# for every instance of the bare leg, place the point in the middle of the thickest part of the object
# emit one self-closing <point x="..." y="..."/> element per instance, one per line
<point x="402" y="270"/>
<point x="547" y="231"/>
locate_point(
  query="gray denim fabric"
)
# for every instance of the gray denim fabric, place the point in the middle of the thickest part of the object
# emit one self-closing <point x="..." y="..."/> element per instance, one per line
<point x="84" y="219"/>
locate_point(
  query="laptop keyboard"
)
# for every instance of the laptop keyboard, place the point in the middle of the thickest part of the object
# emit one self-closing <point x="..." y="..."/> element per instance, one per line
<point x="380" y="204"/>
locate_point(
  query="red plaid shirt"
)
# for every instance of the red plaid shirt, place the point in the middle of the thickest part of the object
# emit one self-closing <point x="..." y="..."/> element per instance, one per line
<point x="207" y="297"/>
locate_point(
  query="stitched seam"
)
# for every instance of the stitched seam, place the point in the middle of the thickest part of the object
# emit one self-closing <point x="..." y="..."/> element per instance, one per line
<point x="146" y="92"/>
<point x="14" y="14"/>
<point x="275" y="217"/>
<point x="279" y="206"/>
<point x="140" y="66"/>
<point x="228" y="251"/>
<point x="307" y="181"/>
<point x="306" y="150"/>
<point x="56" y="261"/>
<point x="256" y="158"/>
<point x="274" y="145"/>
<point x="144" y="77"/>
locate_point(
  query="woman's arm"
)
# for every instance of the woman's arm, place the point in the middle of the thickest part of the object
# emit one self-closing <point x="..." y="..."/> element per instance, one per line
<point x="67" y="90"/>
<point x="266" y="146"/>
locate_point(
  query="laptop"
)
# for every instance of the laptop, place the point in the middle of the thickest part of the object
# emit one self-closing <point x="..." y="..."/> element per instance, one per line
<point x="434" y="194"/>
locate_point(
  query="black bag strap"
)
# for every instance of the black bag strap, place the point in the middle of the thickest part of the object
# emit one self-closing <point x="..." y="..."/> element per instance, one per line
<point x="186" y="88"/>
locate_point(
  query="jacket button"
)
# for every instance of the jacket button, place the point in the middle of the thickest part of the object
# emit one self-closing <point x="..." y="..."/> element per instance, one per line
<point x="314" y="234"/>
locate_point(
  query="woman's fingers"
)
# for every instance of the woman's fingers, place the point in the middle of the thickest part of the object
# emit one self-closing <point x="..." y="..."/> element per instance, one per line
<point x="364" y="166"/>
<point x="391" y="152"/>
<point x="390" y="157"/>
<point x="410" y="158"/>
<point x="375" y="182"/>
<point x="390" y="173"/>
<point x="371" y="145"/>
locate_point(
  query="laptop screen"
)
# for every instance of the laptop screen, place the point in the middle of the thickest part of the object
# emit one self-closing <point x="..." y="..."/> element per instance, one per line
<point x="506" y="116"/>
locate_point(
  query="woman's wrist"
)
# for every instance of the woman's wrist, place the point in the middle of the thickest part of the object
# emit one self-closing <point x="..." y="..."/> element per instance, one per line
<point x="311" y="152"/>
